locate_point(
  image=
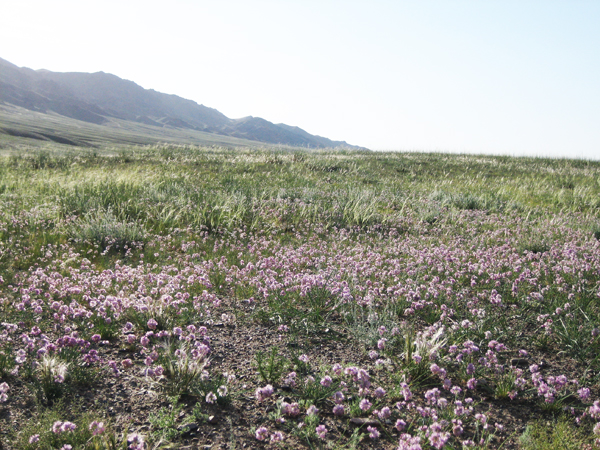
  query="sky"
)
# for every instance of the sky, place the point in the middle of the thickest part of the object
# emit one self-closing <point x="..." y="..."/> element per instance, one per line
<point x="515" y="77"/>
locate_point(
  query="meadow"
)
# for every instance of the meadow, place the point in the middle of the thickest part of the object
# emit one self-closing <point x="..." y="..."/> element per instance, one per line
<point x="191" y="297"/>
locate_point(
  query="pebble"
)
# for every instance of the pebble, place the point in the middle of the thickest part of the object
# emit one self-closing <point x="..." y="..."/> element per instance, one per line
<point x="188" y="427"/>
<point x="519" y="362"/>
<point x="361" y="421"/>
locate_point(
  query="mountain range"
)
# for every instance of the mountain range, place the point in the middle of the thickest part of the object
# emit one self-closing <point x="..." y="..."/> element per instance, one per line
<point x="105" y="100"/>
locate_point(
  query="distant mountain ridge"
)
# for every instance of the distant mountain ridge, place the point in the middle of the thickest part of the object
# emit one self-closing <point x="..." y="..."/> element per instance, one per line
<point x="99" y="97"/>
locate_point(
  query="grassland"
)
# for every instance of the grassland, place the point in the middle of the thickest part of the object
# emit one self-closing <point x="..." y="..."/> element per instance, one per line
<point x="20" y="127"/>
<point x="182" y="297"/>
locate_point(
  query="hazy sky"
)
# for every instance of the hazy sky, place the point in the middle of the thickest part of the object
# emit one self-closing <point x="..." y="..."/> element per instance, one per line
<point x="485" y="76"/>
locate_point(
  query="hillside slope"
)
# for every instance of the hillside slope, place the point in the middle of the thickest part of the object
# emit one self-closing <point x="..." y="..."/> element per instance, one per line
<point x="100" y="98"/>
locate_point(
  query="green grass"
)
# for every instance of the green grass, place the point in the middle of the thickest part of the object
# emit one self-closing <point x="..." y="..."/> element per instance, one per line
<point x="217" y="211"/>
<point x="165" y="188"/>
<point x="555" y="434"/>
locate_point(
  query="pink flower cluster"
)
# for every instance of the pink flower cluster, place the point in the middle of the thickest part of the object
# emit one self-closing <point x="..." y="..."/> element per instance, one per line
<point x="3" y="392"/>
<point x="63" y="427"/>
<point x="263" y="393"/>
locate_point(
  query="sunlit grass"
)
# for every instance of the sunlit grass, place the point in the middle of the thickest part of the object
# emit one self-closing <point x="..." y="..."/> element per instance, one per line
<point x="437" y="270"/>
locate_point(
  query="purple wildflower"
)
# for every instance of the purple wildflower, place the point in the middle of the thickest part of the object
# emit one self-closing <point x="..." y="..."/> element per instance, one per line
<point x="261" y="434"/>
<point x="373" y="432"/>
<point x="321" y="431"/>
<point x="365" y="404"/>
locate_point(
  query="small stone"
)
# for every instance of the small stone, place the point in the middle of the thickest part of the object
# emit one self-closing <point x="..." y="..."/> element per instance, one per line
<point x="519" y="362"/>
<point x="361" y="421"/>
<point x="188" y="427"/>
